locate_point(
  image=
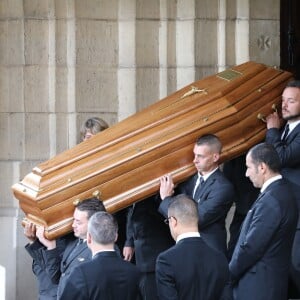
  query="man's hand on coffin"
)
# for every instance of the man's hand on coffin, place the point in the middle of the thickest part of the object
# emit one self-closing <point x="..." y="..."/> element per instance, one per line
<point x="273" y="121"/>
<point x="30" y="231"/>
<point x="166" y="186"/>
<point x="128" y="253"/>
<point x="47" y="243"/>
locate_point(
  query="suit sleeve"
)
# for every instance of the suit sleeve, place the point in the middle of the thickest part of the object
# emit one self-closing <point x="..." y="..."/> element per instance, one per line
<point x="35" y="251"/>
<point x="75" y="287"/>
<point x="288" y="152"/>
<point x="165" y="283"/>
<point x="164" y="205"/>
<point x="216" y="205"/>
<point x="264" y="224"/>
<point x="129" y="228"/>
<point x="53" y="260"/>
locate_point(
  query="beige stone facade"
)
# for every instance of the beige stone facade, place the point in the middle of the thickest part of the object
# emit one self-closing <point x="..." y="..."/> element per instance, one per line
<point x="62" y="61"/>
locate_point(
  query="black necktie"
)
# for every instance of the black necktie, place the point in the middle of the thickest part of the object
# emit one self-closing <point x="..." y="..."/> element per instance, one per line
<point x="76" y="245"/>
<point x="286" y="132"/>
<point x="80" y="241"/>
<point x="198" y="185"/>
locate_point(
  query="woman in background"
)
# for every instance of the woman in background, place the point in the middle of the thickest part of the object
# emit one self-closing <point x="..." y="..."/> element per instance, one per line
<point x="91" y="127"/>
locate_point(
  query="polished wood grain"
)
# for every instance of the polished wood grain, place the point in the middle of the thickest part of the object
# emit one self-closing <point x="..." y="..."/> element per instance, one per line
<point x="123" y="164"/>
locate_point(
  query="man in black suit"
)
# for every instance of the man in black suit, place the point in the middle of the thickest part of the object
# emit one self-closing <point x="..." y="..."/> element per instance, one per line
<point x="59" y="266"/>
<point x="286" y="141"/>
<point x="245" y="193"/>
<point x="147" y="236"/>
<point x="46" y="288"/>
<point x="190" y="269"/>
<point x="209" y="188"/>
<point x="107" y="276"/>
<point x="260" y="262"/>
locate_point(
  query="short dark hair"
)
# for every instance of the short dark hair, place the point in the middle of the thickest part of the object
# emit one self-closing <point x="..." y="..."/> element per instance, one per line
<point x="294" y="83"/>
<point x="91" y="206"/>
<point x="103" y="228"/>
<point x="211" y="140"/>
<point x="266" y="153"/>
<point x="184" y="209"/>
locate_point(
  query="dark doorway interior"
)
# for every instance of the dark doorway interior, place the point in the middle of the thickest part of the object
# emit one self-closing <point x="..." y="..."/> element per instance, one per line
<point x="290" y="36"/>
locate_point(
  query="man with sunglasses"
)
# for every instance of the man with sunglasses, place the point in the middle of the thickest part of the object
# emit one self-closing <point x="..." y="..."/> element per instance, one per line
<point x="190" y="269"/>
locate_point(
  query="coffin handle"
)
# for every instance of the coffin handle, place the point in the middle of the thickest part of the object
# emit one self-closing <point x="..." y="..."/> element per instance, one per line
<point x="96" y="194"/>
<point x="274" y="107"/>
<point x="76" y="202"/>
<point x="261" y="117"/>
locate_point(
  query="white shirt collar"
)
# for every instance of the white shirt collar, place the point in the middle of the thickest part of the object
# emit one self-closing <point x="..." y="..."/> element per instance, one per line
<point x="187" y="235"/>
<point x="207" y="175"/>
<point x="269" y="181"/>
<point x="292" y="126"/>
<point x="107" y="250"/>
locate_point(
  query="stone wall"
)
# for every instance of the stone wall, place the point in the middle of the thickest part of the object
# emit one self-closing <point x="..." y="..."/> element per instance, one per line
<point x="62" y="61"/>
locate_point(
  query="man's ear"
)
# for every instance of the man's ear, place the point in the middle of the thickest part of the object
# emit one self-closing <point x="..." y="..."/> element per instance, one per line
<point x="216" y="157"/>
<point x="173" y="222"/>
<point x="263" y="167"/>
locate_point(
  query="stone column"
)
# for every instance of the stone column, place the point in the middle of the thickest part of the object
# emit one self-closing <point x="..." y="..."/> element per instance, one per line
<point x="221" y="35"/>
<point x="264" y="32"/>
<point x="126" y="83"/>
<point x="185" y="42"/>
<point x="2" y="282"/>
<point x="242" y="31"/>
<point x="207" y="38"/>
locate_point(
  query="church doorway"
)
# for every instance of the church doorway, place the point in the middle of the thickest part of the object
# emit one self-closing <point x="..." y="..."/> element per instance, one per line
<point x="290" y="36"/>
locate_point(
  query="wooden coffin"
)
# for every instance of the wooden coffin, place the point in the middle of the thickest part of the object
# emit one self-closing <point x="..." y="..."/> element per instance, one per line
<point x="122" y="164"/>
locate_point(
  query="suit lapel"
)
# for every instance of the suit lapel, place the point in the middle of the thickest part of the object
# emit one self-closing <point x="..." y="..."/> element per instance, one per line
<point x="250" y="213"/>
<point x="75" y="252"/>
<point x="293" y="134"/>
<point x="200" y="195"/>
<point x="69" y="249"/>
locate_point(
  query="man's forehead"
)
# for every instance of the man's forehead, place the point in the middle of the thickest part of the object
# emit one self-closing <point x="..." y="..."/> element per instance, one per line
<point x="248" y="157"/>
<point x="204" y="149"/>
<point x="80" y="214"/>
<point x="291" y="93"/>
<point x="201" y="147"/>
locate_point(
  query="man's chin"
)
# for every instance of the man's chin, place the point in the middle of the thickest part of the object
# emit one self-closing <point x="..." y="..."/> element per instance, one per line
<point x="295" y="117"/>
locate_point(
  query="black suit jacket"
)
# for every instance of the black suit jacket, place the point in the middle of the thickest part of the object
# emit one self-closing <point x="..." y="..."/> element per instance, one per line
<point x="288" y="150"/>
<point x="47" y="289"/>
<point x="147" y="233"/>
<point x="61" y="266"/>
<point x="191" y="270"/>
<point x="214" y="201"/>
<point x="107" y="276"/>
<point x="260" y="261"/>
<point x="245" y="192"/>
<point x="289" y="153"/>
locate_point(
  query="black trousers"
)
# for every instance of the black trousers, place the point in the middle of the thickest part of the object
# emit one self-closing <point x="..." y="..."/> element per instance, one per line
<point x="148" y="286"/>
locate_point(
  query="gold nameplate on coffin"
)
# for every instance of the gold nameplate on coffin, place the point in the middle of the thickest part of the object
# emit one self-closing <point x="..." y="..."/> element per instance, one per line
<point x="123" y="164"/>
<point x="229" y="74"/>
